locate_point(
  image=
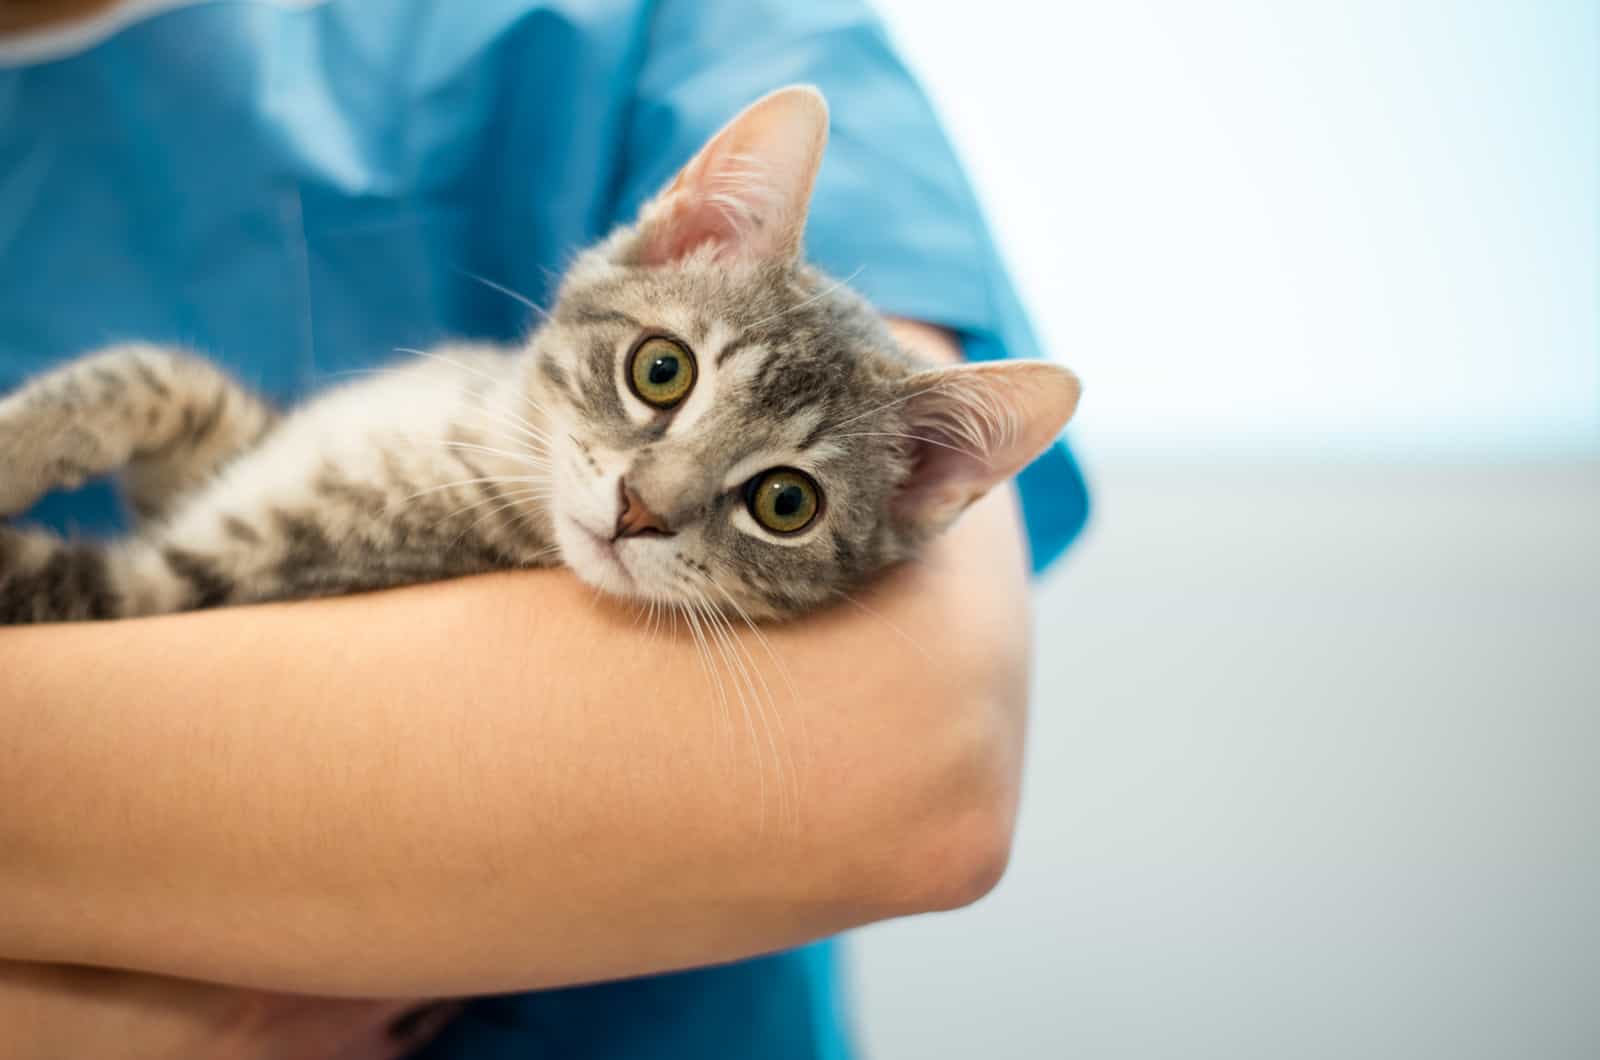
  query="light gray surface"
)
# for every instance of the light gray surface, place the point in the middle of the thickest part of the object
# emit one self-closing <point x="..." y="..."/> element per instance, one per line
<point x="1312" y="774"/>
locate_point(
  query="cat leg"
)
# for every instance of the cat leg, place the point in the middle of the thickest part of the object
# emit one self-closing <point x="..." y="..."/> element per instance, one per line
<point x="46" y="579"/>
<point x="168" y="420"/>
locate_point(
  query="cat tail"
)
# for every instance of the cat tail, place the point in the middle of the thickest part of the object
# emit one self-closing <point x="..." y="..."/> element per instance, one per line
<point x="44" y="578"/>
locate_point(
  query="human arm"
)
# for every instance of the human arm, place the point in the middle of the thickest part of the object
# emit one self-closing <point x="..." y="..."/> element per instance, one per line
<point x="504" y="783"/>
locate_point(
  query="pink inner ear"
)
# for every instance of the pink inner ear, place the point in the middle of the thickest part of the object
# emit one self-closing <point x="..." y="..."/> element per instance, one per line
<point x="685" y="224"/>
<point x="943" y="479"/>
<point x="745" y="194"/>
<point x="976" y="426"/>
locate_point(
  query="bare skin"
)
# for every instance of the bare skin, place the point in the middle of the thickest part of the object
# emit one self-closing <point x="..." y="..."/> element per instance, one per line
<point x="303" y="806"/>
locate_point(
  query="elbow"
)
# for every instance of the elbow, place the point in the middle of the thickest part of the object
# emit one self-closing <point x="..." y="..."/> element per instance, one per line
<point x="963" y="859"/>
<point x="958" y="846"/>
<point x="964" y="845"/>
<point x="929" y="796"/>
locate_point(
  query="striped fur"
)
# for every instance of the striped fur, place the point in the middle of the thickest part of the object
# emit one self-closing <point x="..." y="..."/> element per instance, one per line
<point x="468" y="459"/>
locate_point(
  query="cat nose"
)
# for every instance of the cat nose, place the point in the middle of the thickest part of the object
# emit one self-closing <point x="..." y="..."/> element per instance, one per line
<point x="635" y="517"/>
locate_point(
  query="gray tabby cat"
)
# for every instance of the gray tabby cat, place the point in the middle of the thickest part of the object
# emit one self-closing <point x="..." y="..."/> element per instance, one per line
<point x="701" y="417"/>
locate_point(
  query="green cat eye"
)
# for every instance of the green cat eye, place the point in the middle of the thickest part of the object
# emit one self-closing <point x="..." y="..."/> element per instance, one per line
<point x="783" y="500"/>
<point x="661" y="371"/>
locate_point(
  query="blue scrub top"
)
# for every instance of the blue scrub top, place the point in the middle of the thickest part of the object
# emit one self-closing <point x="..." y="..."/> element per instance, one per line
<point x="297" y="190"/>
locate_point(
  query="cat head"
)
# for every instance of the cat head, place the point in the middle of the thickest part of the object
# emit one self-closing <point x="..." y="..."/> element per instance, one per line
<point x="732" y="428"/>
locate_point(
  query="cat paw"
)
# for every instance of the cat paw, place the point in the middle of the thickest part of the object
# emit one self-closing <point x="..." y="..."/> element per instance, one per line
<point x="17" y="494"/>
<point x="31" y="465"/>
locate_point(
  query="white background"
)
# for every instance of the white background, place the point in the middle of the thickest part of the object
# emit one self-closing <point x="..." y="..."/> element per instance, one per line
<point x="1336" y="228"/>
<point x="1314" y="768"/>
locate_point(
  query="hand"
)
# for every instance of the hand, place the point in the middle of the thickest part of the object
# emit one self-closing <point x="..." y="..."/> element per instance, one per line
<point x="57" y="1012"/>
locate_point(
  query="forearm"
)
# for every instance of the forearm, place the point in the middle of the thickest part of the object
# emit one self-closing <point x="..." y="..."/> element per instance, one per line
<point x="451" y="792"/>
<point x="504" y="782"/>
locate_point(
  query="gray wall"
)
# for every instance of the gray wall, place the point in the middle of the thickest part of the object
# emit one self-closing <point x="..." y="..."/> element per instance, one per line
<point x="1312" y="774"/>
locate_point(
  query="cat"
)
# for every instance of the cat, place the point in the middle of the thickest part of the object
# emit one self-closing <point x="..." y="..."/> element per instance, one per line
<point x="701" y="417"/>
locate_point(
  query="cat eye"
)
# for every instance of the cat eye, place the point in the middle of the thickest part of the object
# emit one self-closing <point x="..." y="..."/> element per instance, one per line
<point x="661" y="372"/>
<point x="783" y="500"/>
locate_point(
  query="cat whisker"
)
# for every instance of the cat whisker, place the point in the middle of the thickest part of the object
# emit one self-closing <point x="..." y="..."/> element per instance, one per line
<point x="908" y="638"/>
<point x="657" y="618"/>
<point x="526" y="493"/>
<point x="713" y="636"/>
<point x="766" y="645"/>
<point x="788" y="680"/>
<point x="887" y="405"/>
<point x="771" y="716"/>
<point x="915" y="438"/>
<point x="703" y="653"/>
<point x="495" y="381"/>
<point x="536" y="463"/>
<point x="527" y="458"/>
<point x="761" y="638"/>
<point x="509" y="417"/>
<point x="978" y="418"/>
<point x="505" y="420"/>
<point x="506" y="415"/>
<point x="541" y="554"/>
<point x="510" y="501"/>
<point x="345" y="373"/>
<point x="516" y="496"/>
<point x="746" y="674"/>
<point x="808" y="301"/>
<point x="508" y="292"/>
<point x="512" y="416"/>
<point x="494" y="480"/>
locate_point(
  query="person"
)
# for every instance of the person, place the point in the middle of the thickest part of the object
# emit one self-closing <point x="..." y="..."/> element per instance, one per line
<point x="495" y="785"/>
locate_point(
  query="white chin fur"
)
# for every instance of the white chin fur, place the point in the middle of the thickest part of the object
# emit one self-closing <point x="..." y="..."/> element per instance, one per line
<point x="593" y="561"/>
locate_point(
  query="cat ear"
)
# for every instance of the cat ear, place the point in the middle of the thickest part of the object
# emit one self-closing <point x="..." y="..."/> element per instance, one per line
<point x="747" y="191"/>
<point x="976" y="425"/>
